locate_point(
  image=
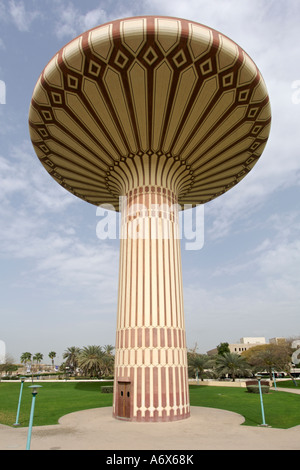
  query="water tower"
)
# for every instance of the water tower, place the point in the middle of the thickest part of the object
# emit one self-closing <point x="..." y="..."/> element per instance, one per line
<point x="162" y="112"/>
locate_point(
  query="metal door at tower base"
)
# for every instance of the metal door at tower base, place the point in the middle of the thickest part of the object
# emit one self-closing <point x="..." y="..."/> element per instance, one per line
<point x="124" y="392"/>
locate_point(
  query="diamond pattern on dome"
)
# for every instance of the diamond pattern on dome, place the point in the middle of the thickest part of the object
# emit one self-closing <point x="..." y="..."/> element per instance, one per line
<point x="150" y="56"/>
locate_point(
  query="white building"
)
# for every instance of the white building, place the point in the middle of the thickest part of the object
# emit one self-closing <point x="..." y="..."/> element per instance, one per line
<point x="253" y="340"/>
<point x="244" y="344"/>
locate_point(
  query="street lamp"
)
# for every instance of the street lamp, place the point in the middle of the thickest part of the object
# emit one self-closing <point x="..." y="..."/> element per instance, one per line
<point x="274" y="379"/>
<point x="261" y="401"/>
<point x="19" y="404"/>
<point x="34" y="393"/>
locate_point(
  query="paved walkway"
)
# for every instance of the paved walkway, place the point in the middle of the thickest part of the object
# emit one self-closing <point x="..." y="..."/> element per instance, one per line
<point x="290" y="390"/>
<point x="206" y="429"/>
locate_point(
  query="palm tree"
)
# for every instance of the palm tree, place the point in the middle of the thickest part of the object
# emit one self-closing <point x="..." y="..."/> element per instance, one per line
<point x="91" y="360"/>
<point x="108" y="349"/>
<point x="197" y="363"/>
<point x="108" y="361"/>
<point x="233" y="364"/>
<point x="71" y="355"/>
<point x="25" y="358"/>
<point x="52" y="355"/>
<point x="38" y="357"/>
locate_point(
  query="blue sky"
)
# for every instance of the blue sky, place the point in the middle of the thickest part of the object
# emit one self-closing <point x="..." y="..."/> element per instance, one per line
<point x="58" y="281"/>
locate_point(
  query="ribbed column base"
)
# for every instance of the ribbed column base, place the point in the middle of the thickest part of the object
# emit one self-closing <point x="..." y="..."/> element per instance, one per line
<point x="156" y="418"/>
<point x="156" y="393"/>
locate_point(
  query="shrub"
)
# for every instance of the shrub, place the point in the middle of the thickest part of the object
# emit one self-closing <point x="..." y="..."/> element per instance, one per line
<point x="107" y="389"/>
<point x="255" y="389"/>
<point x="255" y="382"/>
<point x="252" y="386"/>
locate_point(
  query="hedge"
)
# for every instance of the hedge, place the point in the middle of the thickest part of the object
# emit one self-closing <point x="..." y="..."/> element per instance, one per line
<point x="255" y="382"/>
<point x="107" y="389"/>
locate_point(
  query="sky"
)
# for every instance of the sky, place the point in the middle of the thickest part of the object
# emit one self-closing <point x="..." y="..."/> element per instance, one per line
<point x="59" y="281"/>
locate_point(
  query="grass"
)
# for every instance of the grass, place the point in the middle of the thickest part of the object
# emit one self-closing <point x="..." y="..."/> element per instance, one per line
<point x="288" y="384"/>
<point x="282" y="409"/>
<point x="53" y="401"/>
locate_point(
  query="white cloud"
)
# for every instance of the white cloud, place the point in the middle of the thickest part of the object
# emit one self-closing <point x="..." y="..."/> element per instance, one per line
<point x="20" y="16"/>
<point x="72" y="22"/>
<point x="72" y="264"/>
<point x="27" y="199"/>
<point x="251" y="292"/>
<point x="283" y="261"/>
<point x="38" y="225"/>
<point x="93" y="18"/>
<point x="278" y="255"/>
<point x="3" y="13"/>
<point x="246" y="303"/>
<point x="22" y="175"/>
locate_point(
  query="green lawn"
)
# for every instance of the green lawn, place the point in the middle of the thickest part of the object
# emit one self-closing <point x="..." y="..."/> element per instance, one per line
<point x="53" y="401"/>
<point x="282" y="409"/>
<point x="288" y="384"/>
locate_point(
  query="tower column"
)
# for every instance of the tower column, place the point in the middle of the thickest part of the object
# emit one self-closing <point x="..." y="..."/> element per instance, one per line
<point x="151" y="382"/>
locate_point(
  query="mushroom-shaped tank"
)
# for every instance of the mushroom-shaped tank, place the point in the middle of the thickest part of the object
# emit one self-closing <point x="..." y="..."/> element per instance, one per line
<point x="163" y="111"/>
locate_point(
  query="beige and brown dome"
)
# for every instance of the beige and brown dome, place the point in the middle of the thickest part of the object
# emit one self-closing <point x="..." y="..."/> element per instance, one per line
<point x="150" y="101"/>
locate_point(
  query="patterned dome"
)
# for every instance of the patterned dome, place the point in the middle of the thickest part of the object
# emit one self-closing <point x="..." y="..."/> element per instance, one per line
<point x="149" y="101"/>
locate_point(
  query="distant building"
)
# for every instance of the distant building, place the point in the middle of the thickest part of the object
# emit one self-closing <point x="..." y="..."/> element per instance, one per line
<point x="253" y="340"/>
<point x="277" y="340"/>
<point x="244" y="344"/>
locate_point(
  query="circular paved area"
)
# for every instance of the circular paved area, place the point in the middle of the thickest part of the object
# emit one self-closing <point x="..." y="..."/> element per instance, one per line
<point x="206" y="429"/>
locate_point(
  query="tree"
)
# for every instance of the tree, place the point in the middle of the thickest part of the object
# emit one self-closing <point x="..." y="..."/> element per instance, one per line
<point x="90" y="360"/>
<point x="52" y="355"/>
<point x="223" y="348"/>
<point x="108" y="359"/>
<point x="108" y="362"/>
<point x="233" y="364"/>
<point x="108" y="349"/>
<point x="198" y="363"/>
<point x="26" y="358"/>
<point x="38" y="357"/>
<point x="267" y="357"/>
<point x="8" y="365"/>
<point x="71" y="355"/>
